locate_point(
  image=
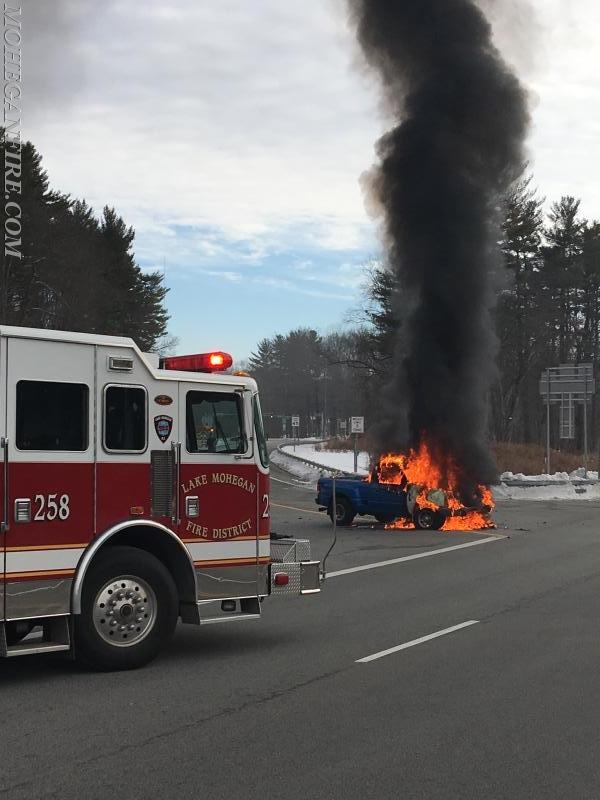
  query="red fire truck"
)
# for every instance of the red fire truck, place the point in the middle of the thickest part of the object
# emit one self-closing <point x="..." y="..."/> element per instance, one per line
<point x="134" y="491"/>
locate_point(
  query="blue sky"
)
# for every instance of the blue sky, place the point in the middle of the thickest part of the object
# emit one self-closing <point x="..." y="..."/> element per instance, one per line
<point x="229" y="293"/>
<point x="232" y="136"/>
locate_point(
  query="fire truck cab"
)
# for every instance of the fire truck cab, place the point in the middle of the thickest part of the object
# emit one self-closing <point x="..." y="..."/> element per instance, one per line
<point x="133" y="492"/>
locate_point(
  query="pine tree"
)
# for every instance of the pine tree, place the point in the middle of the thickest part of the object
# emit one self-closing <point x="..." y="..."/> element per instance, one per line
<point x="562" y="276"/>
<point x="77" y="273"/>
<point x="26" y="296"/>
<point x="131" y="302"/>
<point x="588" y="348"/>
<point x="518" y="321"/>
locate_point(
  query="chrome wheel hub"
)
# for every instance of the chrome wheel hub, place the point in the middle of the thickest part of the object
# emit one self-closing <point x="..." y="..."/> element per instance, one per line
<point x="124" y="611"/>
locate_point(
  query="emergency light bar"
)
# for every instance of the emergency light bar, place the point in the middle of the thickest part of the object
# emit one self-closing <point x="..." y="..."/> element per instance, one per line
<point x="201" y="362"/>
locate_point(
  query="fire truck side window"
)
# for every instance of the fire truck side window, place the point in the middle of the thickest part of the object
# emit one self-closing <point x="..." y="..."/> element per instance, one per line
<point x="52" y="416"/>
<point x="214" y="423"/>
<point x="125" y="419"/>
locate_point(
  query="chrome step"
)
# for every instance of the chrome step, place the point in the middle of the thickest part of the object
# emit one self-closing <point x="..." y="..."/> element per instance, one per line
<point x="50" y="635"/>
<point x="244" y="608"/>
<point x="229" y="618"/>
<point x="33" y="646"/>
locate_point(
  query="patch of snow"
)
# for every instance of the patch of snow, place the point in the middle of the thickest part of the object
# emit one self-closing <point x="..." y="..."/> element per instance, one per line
<point x="342" y="460"/>
<point x="562" y="491"/>
<point x="304" y="472"/>
<point x="501" y="492"/>
<point x="557" y="477"/>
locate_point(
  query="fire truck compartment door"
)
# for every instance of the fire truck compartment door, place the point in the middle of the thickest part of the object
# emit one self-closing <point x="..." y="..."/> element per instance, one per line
<point x="50" y="423"/>
<point x="219" y="492"/>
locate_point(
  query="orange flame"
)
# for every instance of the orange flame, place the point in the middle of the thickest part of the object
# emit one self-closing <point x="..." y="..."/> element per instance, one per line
<point x="419" y="468"/>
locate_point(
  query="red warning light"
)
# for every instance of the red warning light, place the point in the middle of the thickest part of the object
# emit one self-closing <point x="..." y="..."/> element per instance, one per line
<point x="201" y="362"/>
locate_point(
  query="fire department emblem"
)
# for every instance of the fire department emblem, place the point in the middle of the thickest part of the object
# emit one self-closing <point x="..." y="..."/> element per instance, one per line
<point x="163" y="400"/>
<point x="163" y="426"/>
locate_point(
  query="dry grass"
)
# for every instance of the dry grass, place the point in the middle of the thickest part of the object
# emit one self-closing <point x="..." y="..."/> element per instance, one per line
<point x="527" y="458"/>
<point x="340" y="445"/>
<point x="531" y="459"/>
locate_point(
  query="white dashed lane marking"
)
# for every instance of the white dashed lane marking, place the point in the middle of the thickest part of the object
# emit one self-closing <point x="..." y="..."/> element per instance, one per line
<point x="426" y="554"/>
<point x="414" y="642"/>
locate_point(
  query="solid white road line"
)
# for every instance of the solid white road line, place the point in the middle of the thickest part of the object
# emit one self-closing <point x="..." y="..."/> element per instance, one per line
<point x="426" y="554"/>
<point x="414" y="642"/>
<point x="306" y="486"/>
<point x="295" y="508"/>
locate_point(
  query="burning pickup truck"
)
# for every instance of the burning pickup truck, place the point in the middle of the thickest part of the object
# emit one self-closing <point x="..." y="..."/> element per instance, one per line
<point x="400" y="493"/>
<point x="386" y="502"/>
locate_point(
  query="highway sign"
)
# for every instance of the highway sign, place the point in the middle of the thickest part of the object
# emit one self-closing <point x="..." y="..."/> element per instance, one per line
<point x="357" y="424"/>
<point x="576" y="380"/>
<point x="566" y="385"/>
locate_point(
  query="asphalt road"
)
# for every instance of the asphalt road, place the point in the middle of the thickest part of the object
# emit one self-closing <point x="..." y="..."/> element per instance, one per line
<point x="506" y="707"/>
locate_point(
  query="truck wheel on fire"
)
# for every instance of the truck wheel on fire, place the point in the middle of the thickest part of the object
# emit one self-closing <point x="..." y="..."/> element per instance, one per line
<point x="428" y="520"/>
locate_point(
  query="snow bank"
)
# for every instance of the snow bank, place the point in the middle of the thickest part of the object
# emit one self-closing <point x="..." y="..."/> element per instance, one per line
<point x="557" y="477"/>
<point x="343" y="460"/>
<point x="559" y="491"/>
<point x="298" y="469"/>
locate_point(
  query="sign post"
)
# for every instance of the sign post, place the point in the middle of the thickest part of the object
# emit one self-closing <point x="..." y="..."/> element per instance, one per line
<point x="357" y="425"/>
<point x="295" y="429"/>
<point x="548" y="427"/>
<point x="585" y="433"/>
<point x="566" y="385"/>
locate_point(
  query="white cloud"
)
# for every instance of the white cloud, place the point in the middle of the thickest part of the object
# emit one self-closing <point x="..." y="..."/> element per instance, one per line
<point x="252" y="119"/>
<point x="239" y="116"/>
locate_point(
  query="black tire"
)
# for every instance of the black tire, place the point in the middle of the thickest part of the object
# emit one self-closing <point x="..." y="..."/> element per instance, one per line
<point x="387" y="518"/>
<point x="141" y="624"/>
<point x="426" y="519"/>
<point x="344" y="511"/>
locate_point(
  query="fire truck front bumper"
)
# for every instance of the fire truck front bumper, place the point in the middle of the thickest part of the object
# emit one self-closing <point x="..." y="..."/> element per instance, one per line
<point x="291" y="571"/>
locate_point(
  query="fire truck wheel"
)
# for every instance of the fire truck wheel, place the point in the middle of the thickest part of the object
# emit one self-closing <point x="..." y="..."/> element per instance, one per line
<point x="344" y="513"/>
<point x="128" y="610"/>
<point x="426" y="519"/>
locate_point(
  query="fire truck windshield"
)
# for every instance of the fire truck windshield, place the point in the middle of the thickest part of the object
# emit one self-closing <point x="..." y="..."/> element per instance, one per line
<point x="214" y="423"/>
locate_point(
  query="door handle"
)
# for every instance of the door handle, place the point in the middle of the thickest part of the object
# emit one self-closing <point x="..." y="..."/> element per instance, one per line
<point x="5" y="525"/>
<point x="192" y="506"/>
<point x="176" y="451"/>
<point x="23" y="509"/>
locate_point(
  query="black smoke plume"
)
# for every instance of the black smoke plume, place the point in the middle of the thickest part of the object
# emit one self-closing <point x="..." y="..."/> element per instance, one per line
<point x="441" y="175"/>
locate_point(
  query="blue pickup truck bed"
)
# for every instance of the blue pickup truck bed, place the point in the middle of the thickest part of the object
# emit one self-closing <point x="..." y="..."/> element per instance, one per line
<point x="386" y="502"/>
